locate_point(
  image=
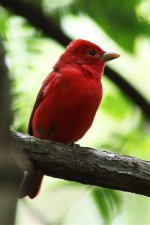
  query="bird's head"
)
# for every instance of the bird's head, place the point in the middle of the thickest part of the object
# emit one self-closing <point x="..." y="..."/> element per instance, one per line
<point x="88" y="52"/>
<point x="83" y="52"/>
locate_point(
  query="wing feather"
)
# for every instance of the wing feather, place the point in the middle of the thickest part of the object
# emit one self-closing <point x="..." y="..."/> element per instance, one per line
<point x="49" y="79"/>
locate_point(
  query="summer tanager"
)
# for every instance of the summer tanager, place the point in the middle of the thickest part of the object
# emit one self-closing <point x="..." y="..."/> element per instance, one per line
<point x="67" y="101"/>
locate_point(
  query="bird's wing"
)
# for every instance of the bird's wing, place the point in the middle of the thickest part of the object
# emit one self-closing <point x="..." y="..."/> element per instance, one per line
<point x="49" y="80"/>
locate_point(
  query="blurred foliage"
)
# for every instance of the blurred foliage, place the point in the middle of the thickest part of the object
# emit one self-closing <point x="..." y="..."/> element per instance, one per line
<point x="119" y="126"/>
<point x="121" y="21"/>
<point x="108" y="203"/>
<point x="117" y="19"/>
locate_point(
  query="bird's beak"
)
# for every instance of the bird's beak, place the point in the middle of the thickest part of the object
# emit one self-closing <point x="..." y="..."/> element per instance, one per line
<point x="109" y="56"/>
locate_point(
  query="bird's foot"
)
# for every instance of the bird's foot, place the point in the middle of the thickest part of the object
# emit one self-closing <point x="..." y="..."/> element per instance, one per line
<point x="73" y="145"/>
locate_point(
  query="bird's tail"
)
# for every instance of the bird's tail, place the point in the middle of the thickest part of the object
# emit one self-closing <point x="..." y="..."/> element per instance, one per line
<point x="31" y="184"/>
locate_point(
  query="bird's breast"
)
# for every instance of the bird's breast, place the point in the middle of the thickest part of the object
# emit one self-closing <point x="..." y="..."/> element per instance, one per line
<point x="68" y="109"/>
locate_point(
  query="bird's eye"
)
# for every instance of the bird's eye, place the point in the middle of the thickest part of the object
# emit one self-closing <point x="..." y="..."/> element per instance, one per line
<point x="92" y="52"/>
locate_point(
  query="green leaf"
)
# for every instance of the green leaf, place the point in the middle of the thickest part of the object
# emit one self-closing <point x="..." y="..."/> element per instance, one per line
<point x="107" y="202"/>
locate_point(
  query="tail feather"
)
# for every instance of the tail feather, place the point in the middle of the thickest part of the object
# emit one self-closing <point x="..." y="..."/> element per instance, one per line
<point x="31" y="184"/>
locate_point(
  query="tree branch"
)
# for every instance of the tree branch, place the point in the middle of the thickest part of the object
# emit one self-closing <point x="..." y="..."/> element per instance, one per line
<point x="86" y="165"/>
<point x="37" y="18"/>
<point x="40" y="21"/>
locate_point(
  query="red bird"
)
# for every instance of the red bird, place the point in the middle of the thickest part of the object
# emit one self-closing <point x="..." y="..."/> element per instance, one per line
<point x="67" y="101"/>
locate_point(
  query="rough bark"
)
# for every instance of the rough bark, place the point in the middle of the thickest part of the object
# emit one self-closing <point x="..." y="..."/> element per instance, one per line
<point x="85" y="165"/>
